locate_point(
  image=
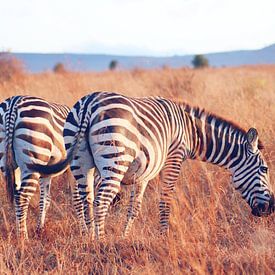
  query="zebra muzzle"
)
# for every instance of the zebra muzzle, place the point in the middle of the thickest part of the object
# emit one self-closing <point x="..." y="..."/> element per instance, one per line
<point x="264" y="209"/>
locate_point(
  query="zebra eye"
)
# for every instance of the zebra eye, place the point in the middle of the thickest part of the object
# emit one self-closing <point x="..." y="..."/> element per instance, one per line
<point x="264" y="169"/>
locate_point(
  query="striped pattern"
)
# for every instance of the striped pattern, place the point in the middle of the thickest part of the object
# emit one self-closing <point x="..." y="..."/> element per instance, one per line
<point x="30" y="132"/>
<point x="130" y="140"/>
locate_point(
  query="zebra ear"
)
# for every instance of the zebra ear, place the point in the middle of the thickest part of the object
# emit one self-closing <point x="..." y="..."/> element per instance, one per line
<point x="252" y="139"/>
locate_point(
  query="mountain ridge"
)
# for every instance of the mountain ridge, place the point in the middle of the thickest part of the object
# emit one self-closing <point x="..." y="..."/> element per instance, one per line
<point x="38" y="62"/>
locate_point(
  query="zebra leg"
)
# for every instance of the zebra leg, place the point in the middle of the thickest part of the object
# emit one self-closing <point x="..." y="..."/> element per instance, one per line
<point x="17" y="175"/>
<point x="169" y="176"/>
<point x="88" y="200"/>
<point x="107" y="191"/>
<point x="97" y="181"/>
<point x="135" y="206"/>
<point x="85" y="218"/>
<point x="22" y="197"/>
<point x="83" y="196"/>
<point x="79" y="208"/>
<point x="44" y="203"/>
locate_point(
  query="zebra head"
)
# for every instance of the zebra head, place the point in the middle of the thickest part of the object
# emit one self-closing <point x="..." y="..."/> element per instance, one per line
<point x="251" y="177"/>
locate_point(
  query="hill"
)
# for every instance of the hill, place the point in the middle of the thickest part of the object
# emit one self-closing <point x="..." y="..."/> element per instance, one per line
<point x="36" y="62"/>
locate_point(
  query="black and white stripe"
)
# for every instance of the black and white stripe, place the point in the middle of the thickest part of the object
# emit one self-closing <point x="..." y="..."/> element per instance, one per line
<point x="130" y="140"/>
<point x="30" y="133"/>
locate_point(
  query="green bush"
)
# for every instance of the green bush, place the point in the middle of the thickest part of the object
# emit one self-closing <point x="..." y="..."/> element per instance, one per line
<point x="113" y="65"/>
<point x="59" y="68"/>
<point x="200" y="61"/>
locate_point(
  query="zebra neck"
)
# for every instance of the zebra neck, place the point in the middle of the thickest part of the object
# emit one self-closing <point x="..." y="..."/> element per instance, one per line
<point x="217" y="142"/>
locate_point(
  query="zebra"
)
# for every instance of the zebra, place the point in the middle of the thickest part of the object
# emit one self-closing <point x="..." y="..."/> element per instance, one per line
<point x="126" y="140"/>
<point x="30" y="132"/>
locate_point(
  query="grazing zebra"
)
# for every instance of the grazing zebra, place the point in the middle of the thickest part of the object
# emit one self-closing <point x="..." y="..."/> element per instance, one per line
<point x="130" y="140"/>
<point x="30" y="132"/>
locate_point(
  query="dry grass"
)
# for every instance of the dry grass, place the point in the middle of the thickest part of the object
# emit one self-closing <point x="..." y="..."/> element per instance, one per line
<point x="212" y="230"/>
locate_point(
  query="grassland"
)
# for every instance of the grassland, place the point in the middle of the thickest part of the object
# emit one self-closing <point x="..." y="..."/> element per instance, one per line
<point x="212" y="230"/>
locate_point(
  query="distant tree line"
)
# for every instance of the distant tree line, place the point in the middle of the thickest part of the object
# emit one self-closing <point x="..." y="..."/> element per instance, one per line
<point x="11" y="66"/>
<point x="60" y="68"/>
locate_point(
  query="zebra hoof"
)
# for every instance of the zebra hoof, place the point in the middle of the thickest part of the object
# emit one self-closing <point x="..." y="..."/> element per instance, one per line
<point x="125" y="235"/>
<point x="39" y="231"/>
<point x="91" y="236"/>
<point x="164" y="233"/>
<point x="101" y="238"/>
<point x="84" y="232"/>
<point x="23" y="236"/>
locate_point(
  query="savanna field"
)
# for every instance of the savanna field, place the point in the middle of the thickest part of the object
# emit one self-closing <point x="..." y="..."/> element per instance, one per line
<point x="211" y="228"/>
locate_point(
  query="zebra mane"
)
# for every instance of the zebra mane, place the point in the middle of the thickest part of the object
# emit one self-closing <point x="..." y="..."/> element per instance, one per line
<point x="202" y="113"/>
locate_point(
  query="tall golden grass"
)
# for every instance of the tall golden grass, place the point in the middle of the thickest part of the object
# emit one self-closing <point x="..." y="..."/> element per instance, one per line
<point x="212" y="230"/>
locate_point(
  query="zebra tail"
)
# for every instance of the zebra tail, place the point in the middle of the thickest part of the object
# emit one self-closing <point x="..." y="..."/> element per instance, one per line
<point x="10" y="160"/>
<point x="56" y="168"/>
<point x="9" y="174"/>
<point x="62" y="165"/>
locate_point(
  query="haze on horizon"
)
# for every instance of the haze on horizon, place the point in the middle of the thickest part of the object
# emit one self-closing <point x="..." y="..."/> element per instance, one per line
<point x="136" y="27"/>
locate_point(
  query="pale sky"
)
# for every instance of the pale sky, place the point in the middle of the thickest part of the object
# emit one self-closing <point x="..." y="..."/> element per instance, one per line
<point x="136" y="27"/>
